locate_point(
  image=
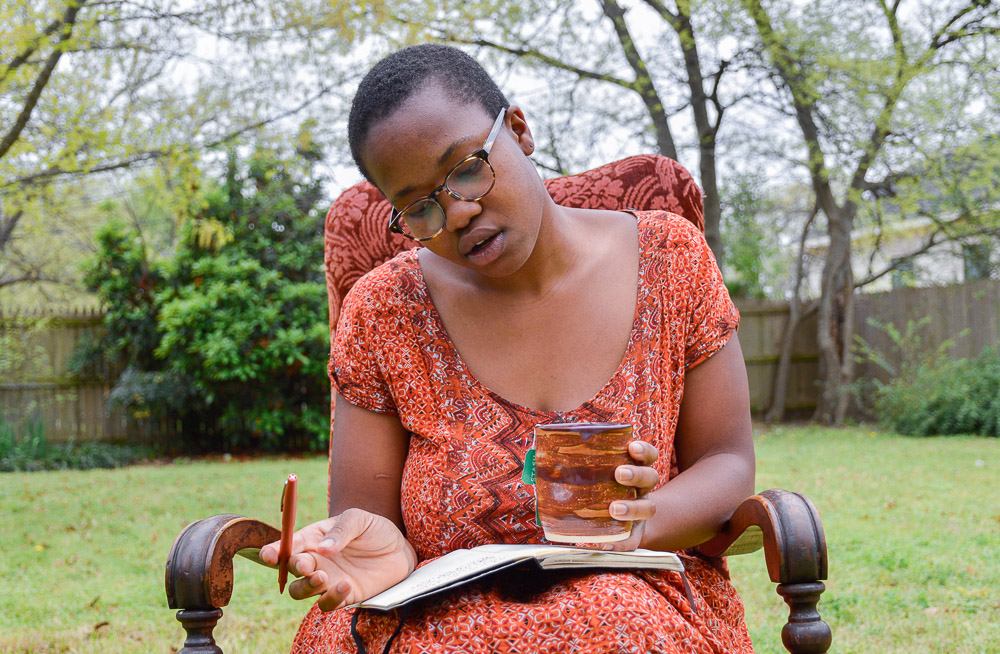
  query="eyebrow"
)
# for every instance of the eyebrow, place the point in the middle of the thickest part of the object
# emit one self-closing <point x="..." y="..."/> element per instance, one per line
<point x="442" y="160"/>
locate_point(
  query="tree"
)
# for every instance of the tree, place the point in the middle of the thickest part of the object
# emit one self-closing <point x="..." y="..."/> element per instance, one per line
<point x="861" y="94"/>
<point x="92" y="89"/>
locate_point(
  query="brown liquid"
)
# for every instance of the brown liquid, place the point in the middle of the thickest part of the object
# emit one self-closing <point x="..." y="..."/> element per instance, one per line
<point x="575" y="480"/>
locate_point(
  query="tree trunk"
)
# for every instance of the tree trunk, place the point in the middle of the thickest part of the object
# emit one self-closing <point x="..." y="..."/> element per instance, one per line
<point x="836" y="321"/>
<point x="706" y="131"/>
<point x="643" y="80"/>
<point x="713" y="204"/>
<point x="681" y="24"/>
<point x="779" y="389"/>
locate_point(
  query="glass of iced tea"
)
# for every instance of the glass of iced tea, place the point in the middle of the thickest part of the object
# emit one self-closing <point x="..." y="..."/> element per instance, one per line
<point x="575" y="480"/>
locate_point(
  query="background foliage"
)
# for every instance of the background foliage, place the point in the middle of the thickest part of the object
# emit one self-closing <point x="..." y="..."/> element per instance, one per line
<point x="872" y="113"/>
<point x="928" y="392"/>
<point x="228" y="334"/>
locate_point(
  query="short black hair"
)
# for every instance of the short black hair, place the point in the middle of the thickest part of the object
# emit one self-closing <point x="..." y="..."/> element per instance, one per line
<point x="398" y="76"/>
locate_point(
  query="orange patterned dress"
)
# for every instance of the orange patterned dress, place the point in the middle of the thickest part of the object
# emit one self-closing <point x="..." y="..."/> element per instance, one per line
<point x="462" y="483"/>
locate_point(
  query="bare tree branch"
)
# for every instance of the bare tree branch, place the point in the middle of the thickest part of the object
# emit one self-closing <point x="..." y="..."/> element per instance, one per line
<point x="779" y="387"/>
<point x="643" y="80"/>
<point x="69" y="19"/>
<point x="30" y="49"/>
<point x="27" y="279"/>
<point x="541" y="56"/>
<point x="903" y="74"/>
<point x="7" y="226"/>
<point x="148" y="156"/>
<point x="803" y="102"/>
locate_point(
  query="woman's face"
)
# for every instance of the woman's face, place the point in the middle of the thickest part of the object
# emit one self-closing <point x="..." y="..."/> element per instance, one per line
<point x="410" y="153"/>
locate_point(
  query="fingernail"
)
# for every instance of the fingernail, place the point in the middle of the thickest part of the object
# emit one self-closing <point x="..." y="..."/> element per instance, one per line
<point x="343" y="587"/>
<point x="625" y="474"/>
<point x="326" y="544"/>
<point x="607" y="548"/>
<point x="315" y="581"/>
<point x="618" y="510"/>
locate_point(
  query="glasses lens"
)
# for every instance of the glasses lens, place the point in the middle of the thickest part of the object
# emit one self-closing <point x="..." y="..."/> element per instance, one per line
<point x="472" y="178"/>
<point x="422" y="219"/>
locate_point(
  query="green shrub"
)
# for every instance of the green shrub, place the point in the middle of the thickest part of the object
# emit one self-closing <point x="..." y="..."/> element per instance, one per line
<point x="26" y="449"/>
<point x="229" y="335"/>
<point x="931" y="394"/>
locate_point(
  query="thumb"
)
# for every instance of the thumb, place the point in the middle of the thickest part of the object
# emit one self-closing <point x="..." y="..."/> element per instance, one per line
<point x="348" y="525"/>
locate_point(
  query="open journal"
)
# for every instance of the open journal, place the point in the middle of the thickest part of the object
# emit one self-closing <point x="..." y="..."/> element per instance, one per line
<point x="462" y="566"/>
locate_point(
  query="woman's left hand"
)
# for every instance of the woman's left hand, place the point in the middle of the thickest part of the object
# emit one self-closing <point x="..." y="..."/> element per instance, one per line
<point x="644" y="478"/>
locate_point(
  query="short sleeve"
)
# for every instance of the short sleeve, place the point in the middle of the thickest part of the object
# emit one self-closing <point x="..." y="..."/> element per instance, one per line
<point x="713" y="318"/>
<point x="357" y="364"/>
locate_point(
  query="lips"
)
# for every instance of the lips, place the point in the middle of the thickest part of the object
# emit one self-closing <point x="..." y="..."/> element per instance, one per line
<point x="477" y="239"/>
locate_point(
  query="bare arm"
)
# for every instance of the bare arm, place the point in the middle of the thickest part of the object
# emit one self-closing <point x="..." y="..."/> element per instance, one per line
<point x="714" y="444"/>
<point x="366" y="462"/>
<point x="360" y="550"/>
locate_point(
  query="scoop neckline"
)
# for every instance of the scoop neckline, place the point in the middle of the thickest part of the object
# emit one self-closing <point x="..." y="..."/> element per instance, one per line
<point x="435" y="318"/>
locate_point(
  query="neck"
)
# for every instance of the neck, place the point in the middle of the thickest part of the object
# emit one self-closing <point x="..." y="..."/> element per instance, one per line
<point x="559" y="250"/>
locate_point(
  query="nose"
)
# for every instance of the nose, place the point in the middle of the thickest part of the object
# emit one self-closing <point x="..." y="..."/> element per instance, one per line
<point x="458" y="213"/>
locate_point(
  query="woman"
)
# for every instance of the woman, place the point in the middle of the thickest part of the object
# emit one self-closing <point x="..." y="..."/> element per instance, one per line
<point x="517" y="312"/>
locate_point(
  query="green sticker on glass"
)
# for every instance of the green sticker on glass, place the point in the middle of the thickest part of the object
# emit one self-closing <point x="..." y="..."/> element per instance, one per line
<point x="528" y="473"/>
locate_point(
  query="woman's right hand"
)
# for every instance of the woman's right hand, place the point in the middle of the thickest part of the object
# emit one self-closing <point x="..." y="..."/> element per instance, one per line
<point x="345" y="559"/>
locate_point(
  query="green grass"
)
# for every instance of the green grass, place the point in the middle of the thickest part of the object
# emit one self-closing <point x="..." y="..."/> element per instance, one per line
<point x="913" y="536"/>
<point x="913" y="527"/>
<point x="82" y="555"/>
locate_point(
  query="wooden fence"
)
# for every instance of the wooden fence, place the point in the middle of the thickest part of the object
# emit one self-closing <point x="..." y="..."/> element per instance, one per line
<point x="762" y="328"/>
<point x="39" y="388"/>
<point x="968" y="314"/>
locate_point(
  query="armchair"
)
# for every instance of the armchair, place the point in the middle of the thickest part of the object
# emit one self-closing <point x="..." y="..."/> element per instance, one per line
<point x="199" y="574"/>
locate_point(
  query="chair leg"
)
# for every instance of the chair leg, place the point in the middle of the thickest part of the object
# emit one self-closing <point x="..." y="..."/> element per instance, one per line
<point x="199" y="623"/>
<point x="199" y="574"/>
<point x="805" y="632"/>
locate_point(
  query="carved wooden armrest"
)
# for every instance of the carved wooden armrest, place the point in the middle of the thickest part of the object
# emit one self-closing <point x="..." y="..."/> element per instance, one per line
<point x="787" y="526"/>
<point x="200" y="572"/>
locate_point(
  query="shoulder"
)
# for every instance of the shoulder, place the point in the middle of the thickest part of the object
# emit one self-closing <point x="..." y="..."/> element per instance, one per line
<point x="386" y="288"/>
<point x="662" y="233"/>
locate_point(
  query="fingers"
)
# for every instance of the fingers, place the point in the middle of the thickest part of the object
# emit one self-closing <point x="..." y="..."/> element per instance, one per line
<point x="635" y="510"/>
<point x="642" y="477"/>
<point x="346" y="527"/>
<point x="335" y="598"/>
<point x="334" y="591"/>
<point x="269" y="554"/>
<point x="302" y="540"/>
<point x="326" y="536"/>
<point x="643" y="453"/>
<point x="303" y="564"/>
<point x="632" y="542"/>
<point x="308" y="586"/>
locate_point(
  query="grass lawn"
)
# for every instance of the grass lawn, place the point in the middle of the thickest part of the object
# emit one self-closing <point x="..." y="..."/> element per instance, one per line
<point x="913" y="528"/>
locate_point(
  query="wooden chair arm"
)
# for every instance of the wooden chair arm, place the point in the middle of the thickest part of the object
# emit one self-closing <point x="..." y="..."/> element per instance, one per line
<point x="199" y="576"/>
<point x="787" y="526"/>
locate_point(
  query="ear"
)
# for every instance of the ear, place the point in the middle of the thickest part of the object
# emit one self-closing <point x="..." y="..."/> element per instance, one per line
<point x="519" y="129"/>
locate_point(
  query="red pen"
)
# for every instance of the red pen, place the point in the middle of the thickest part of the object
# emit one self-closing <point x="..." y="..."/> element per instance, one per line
<point x="289" y="495"/>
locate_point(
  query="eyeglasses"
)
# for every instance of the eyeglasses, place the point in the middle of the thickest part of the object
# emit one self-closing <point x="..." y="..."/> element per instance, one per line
<point x="470" y="180"/>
